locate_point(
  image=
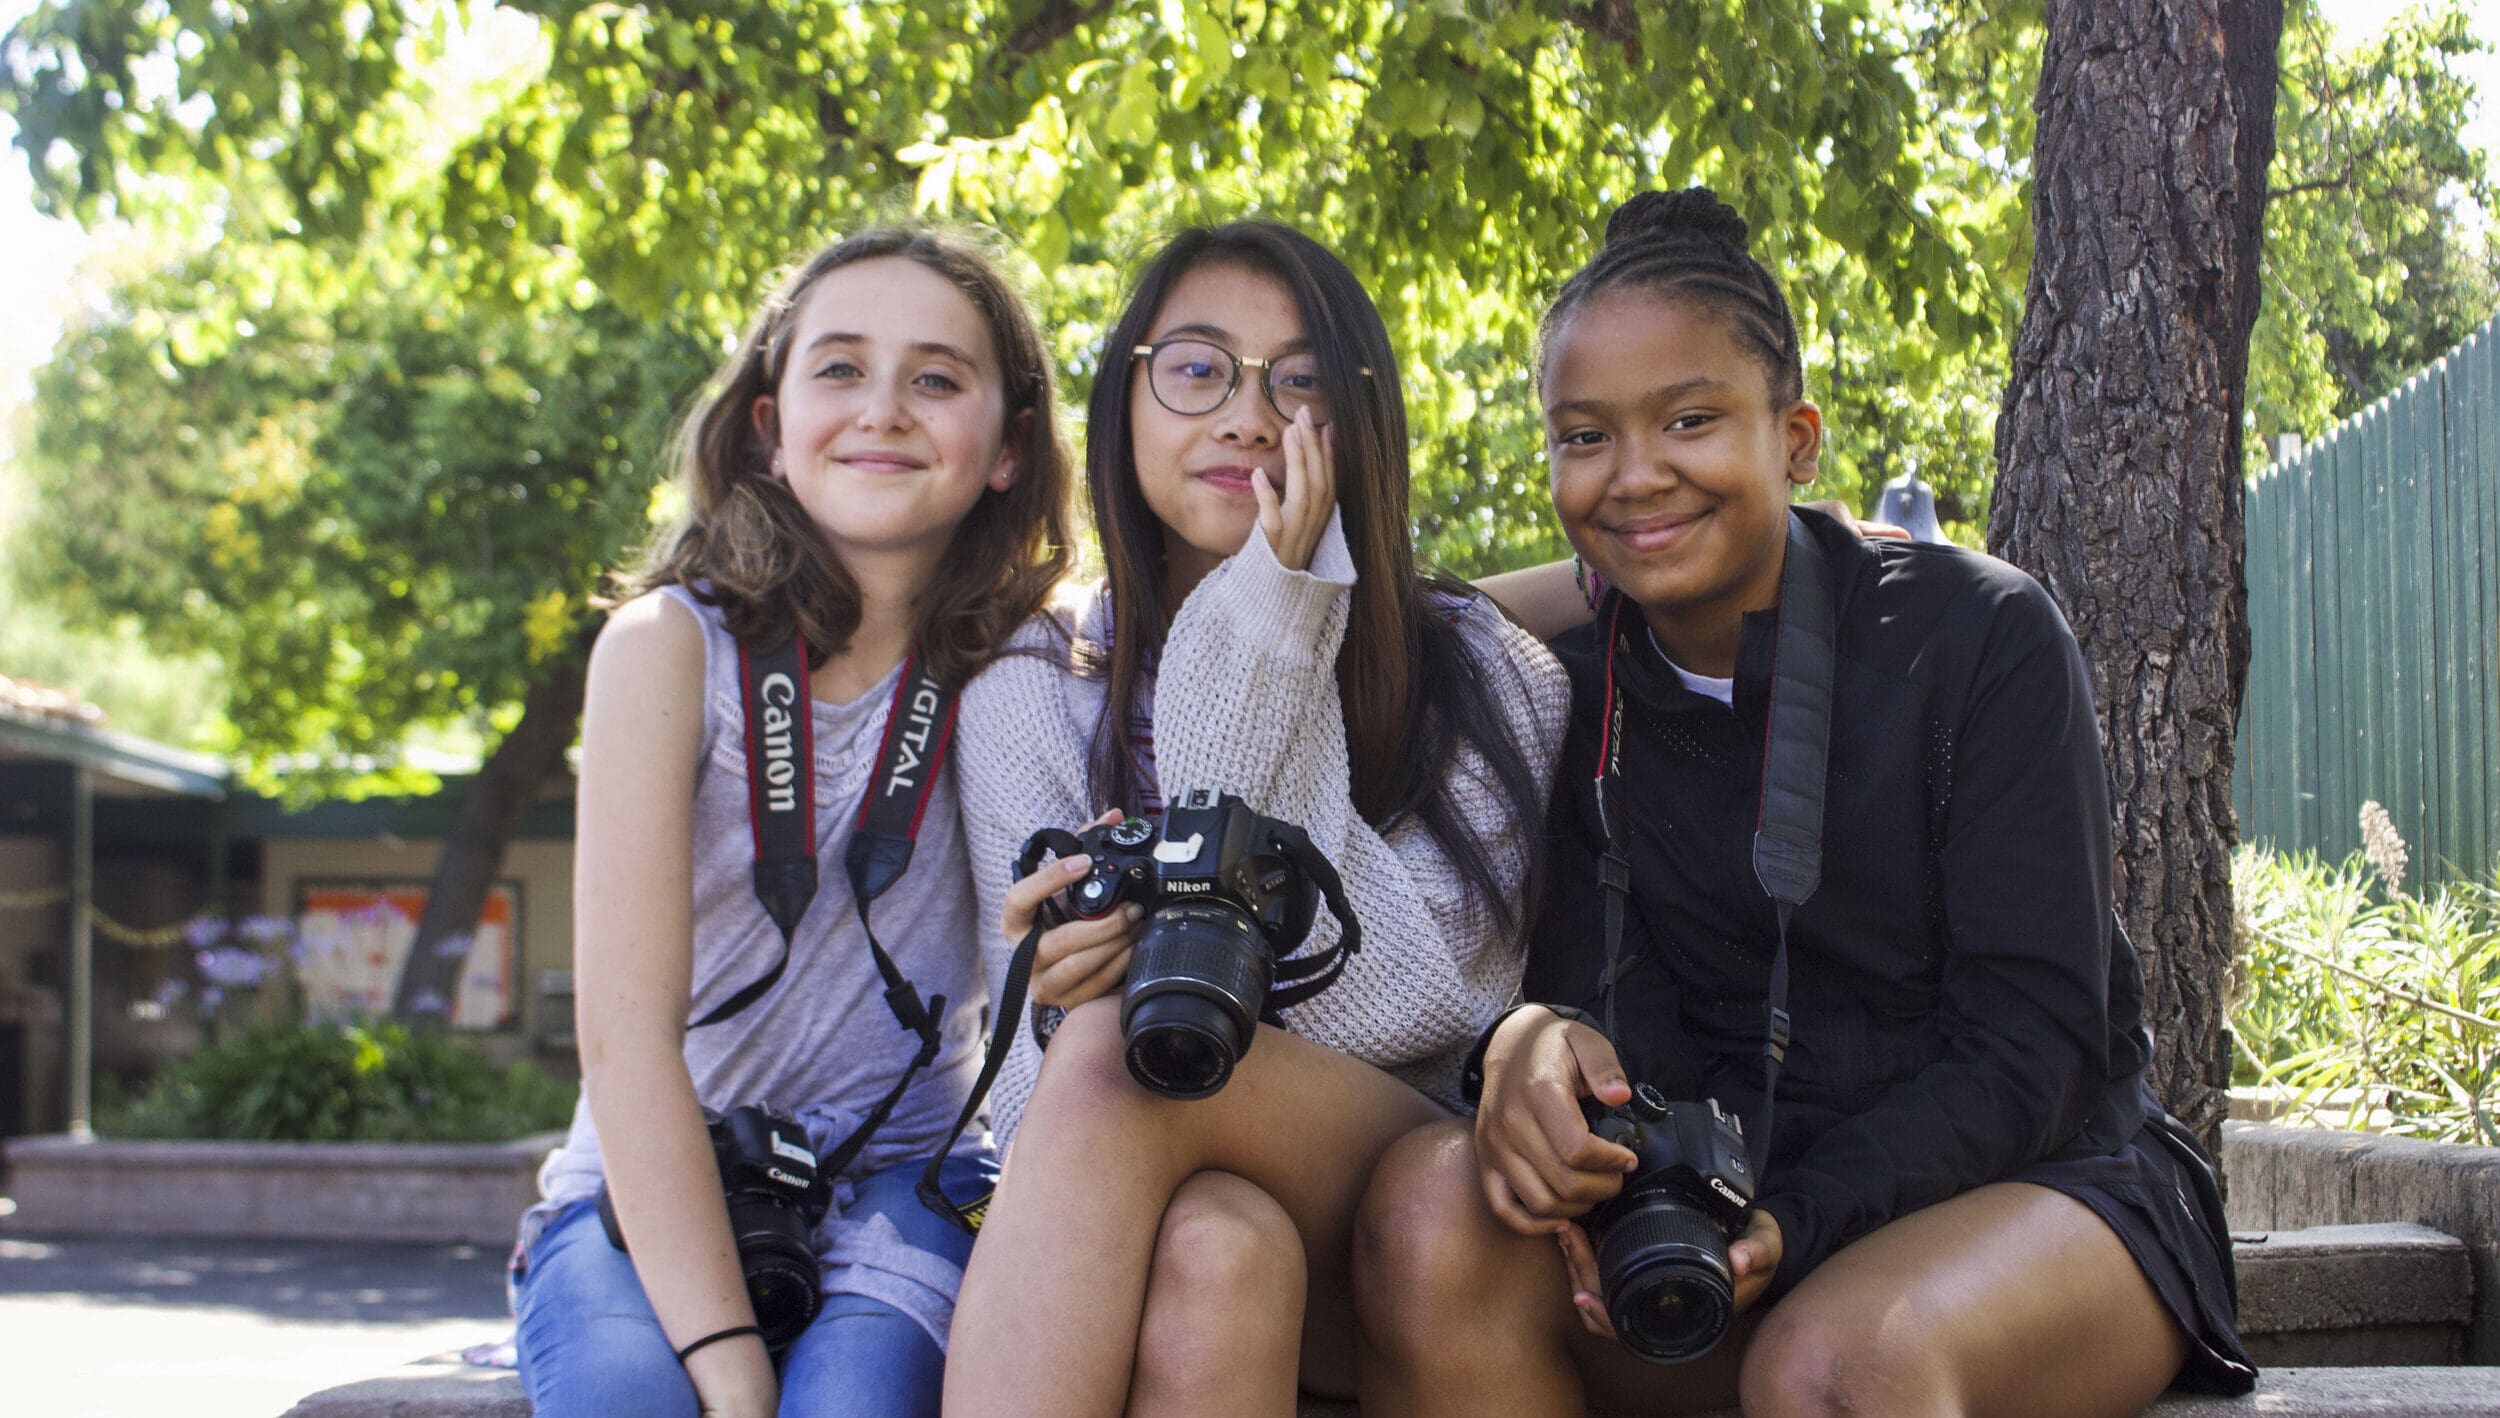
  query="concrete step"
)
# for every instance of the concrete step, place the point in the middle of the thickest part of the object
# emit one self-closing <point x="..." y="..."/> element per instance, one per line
<point x="445" y="1391"/>
<point x="2313" y="1304"/>
<point x="2354" y="1295"/>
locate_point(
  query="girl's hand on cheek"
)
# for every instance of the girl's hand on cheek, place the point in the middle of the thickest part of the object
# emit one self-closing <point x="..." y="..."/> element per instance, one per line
<point x="1298" y="518"/>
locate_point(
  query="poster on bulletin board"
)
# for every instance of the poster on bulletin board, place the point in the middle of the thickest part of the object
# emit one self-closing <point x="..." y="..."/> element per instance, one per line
<point x="352" y="937"/>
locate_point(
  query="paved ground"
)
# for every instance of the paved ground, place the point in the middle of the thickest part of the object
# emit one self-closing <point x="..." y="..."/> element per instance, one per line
<point x="91" y="1327"/>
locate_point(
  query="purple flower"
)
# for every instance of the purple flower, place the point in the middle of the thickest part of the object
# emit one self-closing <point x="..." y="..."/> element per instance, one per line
<point x="266" y="930"/>
<point x="232" y="967"/>
<point x="205" y="931"/>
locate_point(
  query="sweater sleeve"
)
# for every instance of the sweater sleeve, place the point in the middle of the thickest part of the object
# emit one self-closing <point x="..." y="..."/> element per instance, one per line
<point x="1247" y="701"/>
<point x="2025" y="874"/>
<point x="1021" y="738"/>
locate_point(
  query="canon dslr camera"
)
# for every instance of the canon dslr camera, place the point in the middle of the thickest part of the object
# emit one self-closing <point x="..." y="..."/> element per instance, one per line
<point x="1228" y="894"/>
<point x="1662" y="1241"/>
<point x="776" y="1197"/>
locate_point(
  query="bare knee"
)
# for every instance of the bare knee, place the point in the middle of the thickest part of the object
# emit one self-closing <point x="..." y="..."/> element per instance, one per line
<point x="1224" y="1241"/>
<point x="1085" y="1070"/>
<point x="1809" y="1360"/>
<point x="1224" y="1297"/>
<point x="1430" y="1259"/>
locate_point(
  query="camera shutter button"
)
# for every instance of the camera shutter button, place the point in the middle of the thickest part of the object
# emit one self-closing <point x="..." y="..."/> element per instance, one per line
<point x="1648" y="1104"/>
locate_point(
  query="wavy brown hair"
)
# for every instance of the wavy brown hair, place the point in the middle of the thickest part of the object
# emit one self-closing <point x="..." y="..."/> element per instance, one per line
<point x="745" y="544"/>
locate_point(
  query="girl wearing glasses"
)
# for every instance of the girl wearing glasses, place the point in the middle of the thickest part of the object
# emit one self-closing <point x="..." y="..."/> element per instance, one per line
<point x="1263" y="631"/>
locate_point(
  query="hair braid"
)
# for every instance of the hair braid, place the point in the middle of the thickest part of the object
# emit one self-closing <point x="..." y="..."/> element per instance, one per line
<point x="1690" y="243"/>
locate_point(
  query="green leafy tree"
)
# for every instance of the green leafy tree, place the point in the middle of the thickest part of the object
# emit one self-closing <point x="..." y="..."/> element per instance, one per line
<point x="374" y="515"/>
<point x="2379" y="246"/>
<point x="1460" y="154"/>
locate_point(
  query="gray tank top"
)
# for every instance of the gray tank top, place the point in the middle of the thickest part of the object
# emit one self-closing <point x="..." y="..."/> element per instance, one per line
<point x="822" y="1038"/>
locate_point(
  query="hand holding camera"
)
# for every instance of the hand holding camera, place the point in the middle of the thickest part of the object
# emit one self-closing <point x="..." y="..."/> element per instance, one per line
<point x="1664" y="1187"/>
<point x="1082" y="957"/>
<point x="1226" y="898"/>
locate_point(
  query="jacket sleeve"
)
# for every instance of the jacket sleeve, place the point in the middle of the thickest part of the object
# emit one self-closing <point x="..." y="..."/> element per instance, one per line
<point x="1247" y="701"/>
<point x="2024" y="868"/>
<point x="1020" y="767"/>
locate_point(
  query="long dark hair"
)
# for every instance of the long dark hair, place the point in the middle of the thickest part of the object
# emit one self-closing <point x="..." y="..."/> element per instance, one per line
<point x="1411" y="689"/>
<point x="746" y="540"/>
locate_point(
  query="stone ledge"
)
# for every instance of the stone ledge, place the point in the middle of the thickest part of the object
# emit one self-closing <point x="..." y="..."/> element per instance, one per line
<point x="445" y="1193"/>
<point x="2285" y="1178"/>
<point x="448" y="1391"/>
<point x="2354" y="1295"/>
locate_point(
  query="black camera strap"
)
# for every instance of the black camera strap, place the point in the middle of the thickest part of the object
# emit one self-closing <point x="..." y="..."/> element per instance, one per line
<point x="1304" y="977"/>
<point x="1309" y="975"/>
<point x="781" y="810"/>
<point x="1788" y="826"/>
<point x="1003" y="1021"/>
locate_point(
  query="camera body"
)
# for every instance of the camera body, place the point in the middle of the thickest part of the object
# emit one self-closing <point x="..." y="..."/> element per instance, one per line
<point x="1224" y="901"/>
<point x="1662" y="1241"/>
<point x="776" y="1196"/>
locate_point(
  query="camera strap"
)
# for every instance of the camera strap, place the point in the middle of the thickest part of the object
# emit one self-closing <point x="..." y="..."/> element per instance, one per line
<point x="1788" y="826"/>
<point x="1308" y="975"/>
<point x="781" y="810"/>
<point x="1304" y="977"/>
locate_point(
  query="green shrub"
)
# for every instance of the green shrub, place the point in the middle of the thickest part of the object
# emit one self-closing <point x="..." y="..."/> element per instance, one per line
<point x="2366" y="1005"/>
<point x="341" y="1083"/>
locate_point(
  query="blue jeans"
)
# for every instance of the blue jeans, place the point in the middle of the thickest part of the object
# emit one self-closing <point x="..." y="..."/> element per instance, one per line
<point x="590" y="1345"/>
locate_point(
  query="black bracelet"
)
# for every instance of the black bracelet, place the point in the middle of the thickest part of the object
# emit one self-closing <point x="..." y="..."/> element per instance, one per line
<point x="730" y="1333"/>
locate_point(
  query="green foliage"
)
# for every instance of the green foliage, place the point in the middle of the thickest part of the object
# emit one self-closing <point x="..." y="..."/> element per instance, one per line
<point x="2380" y="253"/>
<point x="341" y="1083"/>
<point x="374" y="513"/>
<point x="1461" y="154"/>
<point x="2361" y="1002"/>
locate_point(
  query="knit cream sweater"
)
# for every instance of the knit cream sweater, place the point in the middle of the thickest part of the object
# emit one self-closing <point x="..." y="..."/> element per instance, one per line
<point x="1245" y="700"/>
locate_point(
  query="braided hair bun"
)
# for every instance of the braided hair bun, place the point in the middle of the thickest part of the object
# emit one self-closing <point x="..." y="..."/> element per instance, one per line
<point x="1695" y="211"/>
<point x="1690" y="245"/>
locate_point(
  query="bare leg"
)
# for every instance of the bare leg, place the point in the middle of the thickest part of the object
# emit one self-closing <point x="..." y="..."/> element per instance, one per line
<point x="2011" y="1301"/>
<point x="1054" y="1296"/>
<point x="1223" y="1327"/>
<point x="1462" y="1315"/>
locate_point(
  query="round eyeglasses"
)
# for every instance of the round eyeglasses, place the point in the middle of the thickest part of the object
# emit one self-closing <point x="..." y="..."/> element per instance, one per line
<point x="1192" y="377"/>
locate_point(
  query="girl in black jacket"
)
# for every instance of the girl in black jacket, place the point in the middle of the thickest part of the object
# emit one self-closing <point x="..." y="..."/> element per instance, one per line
<point x="1971" y="1203"/>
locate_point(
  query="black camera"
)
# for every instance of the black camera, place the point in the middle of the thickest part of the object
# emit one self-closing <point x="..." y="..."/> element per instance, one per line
<point x="1229" y="894"/>
<point x="1662" y="1241"/>
<point x="776" y="1196"/>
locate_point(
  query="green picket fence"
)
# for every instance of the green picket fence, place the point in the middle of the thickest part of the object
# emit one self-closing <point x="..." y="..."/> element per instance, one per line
<point x="2374" y="616"/>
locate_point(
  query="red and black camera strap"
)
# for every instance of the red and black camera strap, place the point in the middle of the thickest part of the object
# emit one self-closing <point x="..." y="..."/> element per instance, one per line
<point x="781" y="809"/>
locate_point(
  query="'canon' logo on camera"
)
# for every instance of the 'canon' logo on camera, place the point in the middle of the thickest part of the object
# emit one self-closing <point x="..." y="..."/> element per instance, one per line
<point x="1727" y="1191"/>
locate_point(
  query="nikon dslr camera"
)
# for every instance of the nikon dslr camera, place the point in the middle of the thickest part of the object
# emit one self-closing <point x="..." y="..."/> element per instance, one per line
<point x="1662" y="1241"/>
<point x="776" y="1196"/>
<point x="1228" y="895"/>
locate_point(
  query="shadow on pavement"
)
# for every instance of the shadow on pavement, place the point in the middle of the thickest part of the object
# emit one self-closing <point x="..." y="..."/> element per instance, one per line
<point x="287" y="1280"/>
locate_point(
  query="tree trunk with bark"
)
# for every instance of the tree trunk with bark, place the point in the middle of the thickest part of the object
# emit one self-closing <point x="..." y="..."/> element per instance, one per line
<point x="429" y="979"/>
<point x="2119" y="466"/>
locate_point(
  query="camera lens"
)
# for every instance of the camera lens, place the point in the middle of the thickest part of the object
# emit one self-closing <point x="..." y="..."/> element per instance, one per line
<point x="1195" y="989"/>
<point x="780" y="1266"/>
<point x="1669" y="1289"/>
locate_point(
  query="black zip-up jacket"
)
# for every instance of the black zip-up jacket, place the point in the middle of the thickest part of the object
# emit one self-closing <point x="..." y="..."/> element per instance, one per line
<point x="1963" y="1003"/>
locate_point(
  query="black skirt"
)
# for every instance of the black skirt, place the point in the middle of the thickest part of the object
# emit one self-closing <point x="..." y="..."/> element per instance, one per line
<point x="2160" y="1194"/>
